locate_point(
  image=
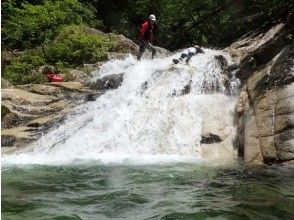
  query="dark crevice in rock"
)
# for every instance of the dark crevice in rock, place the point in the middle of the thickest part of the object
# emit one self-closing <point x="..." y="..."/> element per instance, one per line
<point x="34" y="125"/>
<point x="4" y="111"/>
<point x="187" y="88"/>
<point x="269" y="82"/>
<point x="269" y="160"/>
<point x="289" y="126"/>
<point x="210" y="139"/>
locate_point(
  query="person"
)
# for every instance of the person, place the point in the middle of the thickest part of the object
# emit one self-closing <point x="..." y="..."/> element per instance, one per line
<point x="146" y="36"/>
<point x="189" y="53"/>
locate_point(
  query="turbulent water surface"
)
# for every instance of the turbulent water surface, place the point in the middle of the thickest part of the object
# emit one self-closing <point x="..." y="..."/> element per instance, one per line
<point x="136" y="153"/>
<point x="170" y="191"/>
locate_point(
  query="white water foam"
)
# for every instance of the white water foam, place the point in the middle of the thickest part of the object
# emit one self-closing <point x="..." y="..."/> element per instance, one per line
<point x="147" y="119"/>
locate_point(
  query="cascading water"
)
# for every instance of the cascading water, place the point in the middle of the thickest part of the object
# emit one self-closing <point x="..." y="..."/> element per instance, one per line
<point x="158" y="114"/>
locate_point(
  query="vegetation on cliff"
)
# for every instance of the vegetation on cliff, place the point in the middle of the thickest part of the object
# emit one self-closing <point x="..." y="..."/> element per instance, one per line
<point x="49" y="33"/>
<point x="54" y="32"/>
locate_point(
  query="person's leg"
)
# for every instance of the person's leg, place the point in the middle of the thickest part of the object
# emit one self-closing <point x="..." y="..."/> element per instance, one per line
<point x="152" y="49"/>
<point x="141" y="50"/>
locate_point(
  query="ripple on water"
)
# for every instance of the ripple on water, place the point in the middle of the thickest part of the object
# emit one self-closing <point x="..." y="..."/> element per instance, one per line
<point x="175" y="191"/>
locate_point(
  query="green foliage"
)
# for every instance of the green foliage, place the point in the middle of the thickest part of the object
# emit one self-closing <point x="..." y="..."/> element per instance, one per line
<point x="56" y="32"/>
<point x="31" y="25"/>
<point x="23" y="69"/>
<point x="185" y="22"/>
<point x="75" y="45"/>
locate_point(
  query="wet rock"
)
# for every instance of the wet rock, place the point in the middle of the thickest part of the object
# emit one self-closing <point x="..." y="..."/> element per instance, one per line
<point x="144" y="87"/>
<point x="117" y="56"/>
<point x="7" y="141"/>
<point x="265" y="113"/>
<point x="258" y="48"/>
<point x="28" y="111"/>
<point x="4" y="111"/>
<point x="232" y="67"/>
<point x="222" y="61"/>
<point x="210" y="139"/>
<point x="186" y="90"/>
<point x="92" y="96"/>
<point x="112" y="81"/>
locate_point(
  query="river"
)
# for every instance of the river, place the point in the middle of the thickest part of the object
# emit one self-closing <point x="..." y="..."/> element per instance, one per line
<point x="136" y="153"/>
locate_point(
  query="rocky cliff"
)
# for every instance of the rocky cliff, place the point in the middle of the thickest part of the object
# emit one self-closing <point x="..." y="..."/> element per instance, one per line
<point x="265" y="109"/>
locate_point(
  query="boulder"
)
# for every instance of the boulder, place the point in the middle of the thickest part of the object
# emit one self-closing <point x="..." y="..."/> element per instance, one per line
<point x="28" y="111"/>
<point x="112" y="81"/>
<point x="5" y="83"/>
<point x="265" y="111"/>
<point x="79" y="76"/>
<point x="124" y="45"/>
<point x="117" y="56"/>
<point x="258" y="48"/>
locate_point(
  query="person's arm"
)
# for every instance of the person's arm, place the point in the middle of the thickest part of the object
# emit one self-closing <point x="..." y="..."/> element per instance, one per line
<point x="143" y="30"/>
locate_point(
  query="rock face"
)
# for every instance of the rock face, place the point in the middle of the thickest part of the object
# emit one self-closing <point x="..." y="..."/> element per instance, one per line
<point x="264" y="112"/>
<point x="28" y="111"/>
<point x="5" y="83"/>
<point x="112" y="81"/>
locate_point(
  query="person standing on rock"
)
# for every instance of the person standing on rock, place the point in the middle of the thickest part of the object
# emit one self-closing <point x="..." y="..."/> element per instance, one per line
<point x="146" y="35"/>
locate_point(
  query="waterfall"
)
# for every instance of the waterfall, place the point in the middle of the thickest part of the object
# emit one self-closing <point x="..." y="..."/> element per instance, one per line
<point x="158" y="114"/>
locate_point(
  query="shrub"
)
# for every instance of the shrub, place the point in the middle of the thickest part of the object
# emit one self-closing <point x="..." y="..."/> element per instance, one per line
<point x="31" y="25"/>
<point x="23" y="69"/>
<point x="75" y="45"/>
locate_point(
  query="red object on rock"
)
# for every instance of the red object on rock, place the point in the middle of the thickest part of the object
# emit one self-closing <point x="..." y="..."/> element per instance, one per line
<point x="53" y="77"/>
